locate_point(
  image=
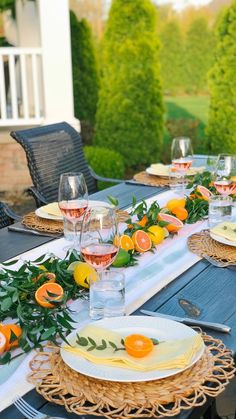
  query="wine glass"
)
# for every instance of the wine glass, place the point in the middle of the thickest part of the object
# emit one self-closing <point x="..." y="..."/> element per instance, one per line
<point x="181" y="154"/>
<point x="98" y="230"/>
<point x="73" y="199"/>
<point x="225" y="174"/>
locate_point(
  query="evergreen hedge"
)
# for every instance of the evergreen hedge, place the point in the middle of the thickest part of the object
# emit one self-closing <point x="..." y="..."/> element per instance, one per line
<point x="172" y="57"/>
<point x="85" y="75"/>
<point x="199" y="55"/>
<point x="129" y="117"/>
<point x="105" y="162"/>
<point x="221" y="129"/>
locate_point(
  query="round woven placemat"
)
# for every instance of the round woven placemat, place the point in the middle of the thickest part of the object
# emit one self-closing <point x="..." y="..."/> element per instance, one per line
<point x="80" y="394"/>
<point x="144" y="177"/>
<point x="202" y="244"/>
<point x="34" y="222"/>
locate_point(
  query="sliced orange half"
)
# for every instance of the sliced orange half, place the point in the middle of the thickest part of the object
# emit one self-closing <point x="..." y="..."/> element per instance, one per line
<point x="142" y="241"/>
<point x="48" y="293"/>
<point x="126" y="243"/>
<point x="138" y="345"/>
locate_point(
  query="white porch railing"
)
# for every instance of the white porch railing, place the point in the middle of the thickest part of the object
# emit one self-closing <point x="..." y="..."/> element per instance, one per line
<point x="21" y="97"/>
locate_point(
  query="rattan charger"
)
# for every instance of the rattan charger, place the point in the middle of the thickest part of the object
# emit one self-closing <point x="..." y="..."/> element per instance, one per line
<point x="152" y="180"/>
<point x="34" y="222"/>
<point x="80" y="394"/>
<point x="202" y="244"/>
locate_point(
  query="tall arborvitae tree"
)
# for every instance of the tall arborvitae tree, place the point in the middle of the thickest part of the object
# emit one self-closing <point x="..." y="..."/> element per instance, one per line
<point x="85" y="76"/>
<point x="199" y="52"/>
<point x="130" y="111"/>
<point x="171" y="57"/>
<point x="221" y="129"/>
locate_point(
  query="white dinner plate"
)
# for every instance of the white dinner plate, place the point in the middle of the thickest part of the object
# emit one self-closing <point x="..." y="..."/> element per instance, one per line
<point x="222" y="240"/>
<point x="159" y="328"/>
<point x="42" y="214"/>
<point x="164" y="171"/>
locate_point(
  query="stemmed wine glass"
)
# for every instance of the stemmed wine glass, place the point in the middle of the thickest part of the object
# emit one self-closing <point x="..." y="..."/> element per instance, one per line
<point x="73" y="199"/>
<point x="181" y="154"/>
<point x="98" y="230"/>
<point x="225" y="175"/>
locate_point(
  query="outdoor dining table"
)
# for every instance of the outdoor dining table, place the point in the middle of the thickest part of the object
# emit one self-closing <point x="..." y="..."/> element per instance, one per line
<point x="203" y="290"/>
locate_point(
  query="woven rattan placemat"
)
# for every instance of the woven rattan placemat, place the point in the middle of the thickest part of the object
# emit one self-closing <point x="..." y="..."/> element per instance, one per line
<point x="34" y="222"/>
<point x="144" y="177"/>
<point x="80" y="394"/>
<point x="202" y="244"/>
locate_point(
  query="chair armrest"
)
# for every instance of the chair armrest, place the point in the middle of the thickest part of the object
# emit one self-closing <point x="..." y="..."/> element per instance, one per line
<point x="39" y="198"/>
<point x="11" y="214"/>
<point x="104" y="179"/>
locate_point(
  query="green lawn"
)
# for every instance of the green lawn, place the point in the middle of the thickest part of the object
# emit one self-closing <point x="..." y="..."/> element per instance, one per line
<point x="188" y="109"/>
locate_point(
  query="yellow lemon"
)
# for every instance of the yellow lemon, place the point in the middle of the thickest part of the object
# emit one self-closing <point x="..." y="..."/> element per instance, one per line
<point x="175" y="203"/>
<point x="73" y="265"/>
<point x="156" y="234"/>
<point x="83" y="273"/>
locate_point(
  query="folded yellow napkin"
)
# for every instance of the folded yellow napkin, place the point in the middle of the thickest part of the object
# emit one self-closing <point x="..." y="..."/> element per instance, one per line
<point x="159" y="169"/>
<point x="226" y="230"/>
<point x="52" y="209"/>
<point x="166" y="355"/>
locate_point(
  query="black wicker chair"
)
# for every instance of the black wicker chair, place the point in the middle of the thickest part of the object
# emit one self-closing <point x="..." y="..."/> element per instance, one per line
<point x="50" y="151"/>
<point x="7" y="216"/>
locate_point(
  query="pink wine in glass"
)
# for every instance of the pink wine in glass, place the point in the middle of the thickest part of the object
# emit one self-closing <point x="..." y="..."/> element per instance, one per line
<point x="225" y="187"/>
<point x="99" y="255"/>
<point x="73" y="210"/>
<point x="182" y="164"/>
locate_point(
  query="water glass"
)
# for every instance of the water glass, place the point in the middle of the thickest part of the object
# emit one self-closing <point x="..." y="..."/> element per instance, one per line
<point x="220" y="210"/>
<point x="107" y="295"/>
<point x="177" y="181"/>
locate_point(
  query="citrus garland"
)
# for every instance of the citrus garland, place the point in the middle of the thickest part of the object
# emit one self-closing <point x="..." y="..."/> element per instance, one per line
<point x="152" y="225"/>
<point x="36" y="297"/>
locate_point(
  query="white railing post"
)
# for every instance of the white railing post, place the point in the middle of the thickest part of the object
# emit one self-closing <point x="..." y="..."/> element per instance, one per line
<point x="56" y="61"/>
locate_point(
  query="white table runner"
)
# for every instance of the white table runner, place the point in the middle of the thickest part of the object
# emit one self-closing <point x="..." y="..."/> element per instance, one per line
<point x="153" y="272"/>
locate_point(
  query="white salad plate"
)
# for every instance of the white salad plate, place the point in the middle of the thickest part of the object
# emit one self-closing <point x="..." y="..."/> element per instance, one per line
<point x="222" y="240"/>
<point x="43" y="214"/>
<point x="159" y="328"/>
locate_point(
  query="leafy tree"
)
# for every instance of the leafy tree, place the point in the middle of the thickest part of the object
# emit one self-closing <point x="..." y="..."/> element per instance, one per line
<point x="130" y="111"/>
<point x="85" y="76"/>
<point x="221" y="129"/>
<point x="199" y="52"/>
<point x="171" y="57"/>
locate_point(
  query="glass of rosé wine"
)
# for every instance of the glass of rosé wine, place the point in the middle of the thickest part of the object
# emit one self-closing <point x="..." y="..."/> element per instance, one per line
<point x="181" y="154"/>
<point x="73" y="200"/>
<point x="225" y="174"/>
<point x="98" y="230"/>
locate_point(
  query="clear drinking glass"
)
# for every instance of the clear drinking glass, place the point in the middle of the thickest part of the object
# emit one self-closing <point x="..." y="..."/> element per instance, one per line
<point x="107" y="295"/>
<point x="220" y="209"/>
<point x="73" y="199"/>
<point x="225" y="174"/>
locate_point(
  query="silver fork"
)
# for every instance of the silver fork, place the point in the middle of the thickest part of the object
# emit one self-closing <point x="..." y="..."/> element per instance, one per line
<point x="219" y="264"/>
<point x="29" y="411"/>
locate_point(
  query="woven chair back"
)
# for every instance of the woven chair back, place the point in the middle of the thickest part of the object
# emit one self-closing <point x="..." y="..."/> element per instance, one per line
<point x="5" y="220"/>
<point x="50" y="151"/>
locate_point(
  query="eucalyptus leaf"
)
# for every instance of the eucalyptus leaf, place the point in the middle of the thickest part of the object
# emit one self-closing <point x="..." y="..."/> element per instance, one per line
<point x="48" y="333"/>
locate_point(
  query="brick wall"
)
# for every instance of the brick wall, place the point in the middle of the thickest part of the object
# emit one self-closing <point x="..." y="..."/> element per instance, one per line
<point x="14" y="174"/>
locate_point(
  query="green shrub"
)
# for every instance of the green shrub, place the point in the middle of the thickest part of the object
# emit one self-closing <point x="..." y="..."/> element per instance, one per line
<point x="105" y="162"/>
<point x="85" y="76"/>
<point x="129" y="117"/>
<point x="221" y="129"/>
<point x="199" y="55"/>
<point x="171" y="57"/>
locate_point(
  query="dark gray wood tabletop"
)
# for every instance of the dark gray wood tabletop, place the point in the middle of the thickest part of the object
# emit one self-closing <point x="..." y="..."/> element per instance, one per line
<point x="203" y="291"/>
